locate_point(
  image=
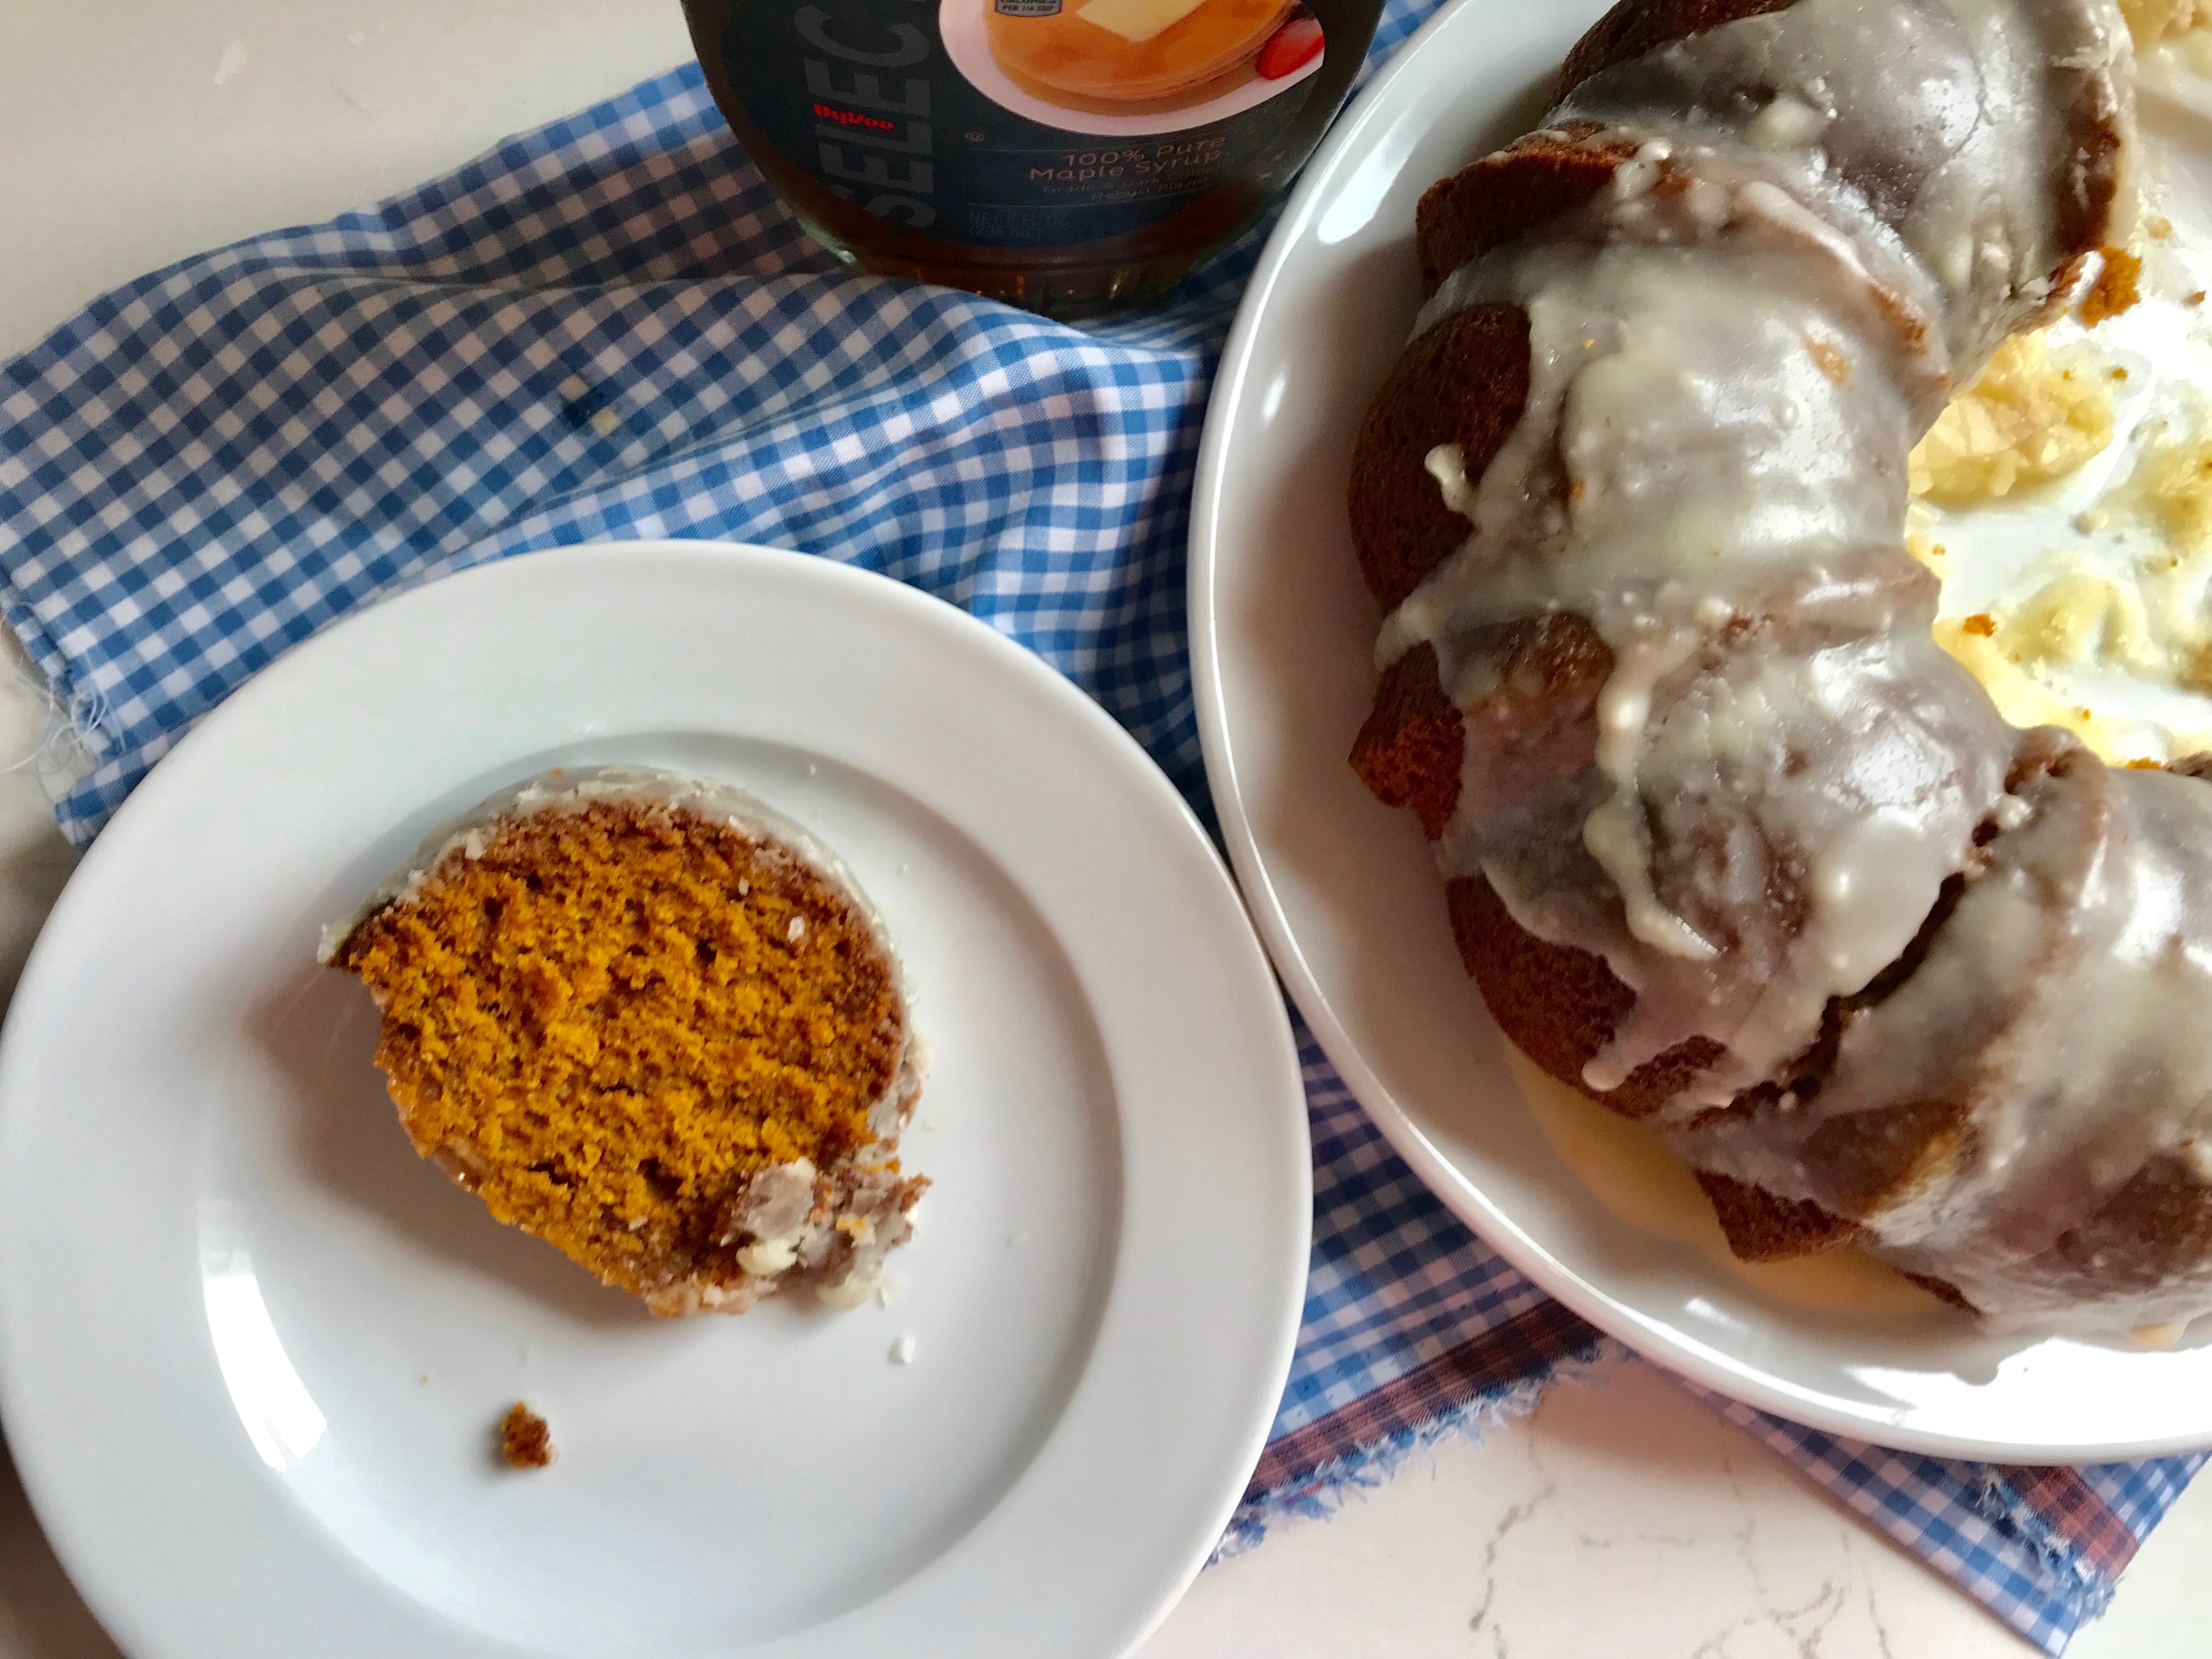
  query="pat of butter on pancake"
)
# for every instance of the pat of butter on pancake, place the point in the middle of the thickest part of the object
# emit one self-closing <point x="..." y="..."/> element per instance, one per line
<point x="1137" y="20"/>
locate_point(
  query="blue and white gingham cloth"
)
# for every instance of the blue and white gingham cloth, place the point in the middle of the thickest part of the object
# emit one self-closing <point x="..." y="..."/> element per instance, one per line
<point x="610" y="328"/>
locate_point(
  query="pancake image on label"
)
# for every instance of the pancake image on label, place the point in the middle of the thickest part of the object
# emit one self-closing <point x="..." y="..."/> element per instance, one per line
<point x="656" y="1023"/>
<point x="1139" y="56"/>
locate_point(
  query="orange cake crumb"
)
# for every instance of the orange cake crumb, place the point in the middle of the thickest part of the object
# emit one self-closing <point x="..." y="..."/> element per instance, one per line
<point x="524" y="1440"/>
<point x="2115" y="289"/>
<point x="607" y="1021"/>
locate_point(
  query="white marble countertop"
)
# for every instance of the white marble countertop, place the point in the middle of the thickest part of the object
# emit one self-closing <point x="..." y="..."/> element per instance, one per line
<point x="1620" y="1518"/>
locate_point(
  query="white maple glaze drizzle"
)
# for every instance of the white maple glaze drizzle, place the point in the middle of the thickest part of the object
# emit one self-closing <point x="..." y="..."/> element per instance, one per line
<point x="1717" y="428"/>
<point x="2069" y="999"/>
<point x="1832" y="214"/>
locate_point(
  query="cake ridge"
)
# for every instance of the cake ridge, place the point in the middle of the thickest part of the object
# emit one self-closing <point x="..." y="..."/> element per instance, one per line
<point x="1676" y="348"/>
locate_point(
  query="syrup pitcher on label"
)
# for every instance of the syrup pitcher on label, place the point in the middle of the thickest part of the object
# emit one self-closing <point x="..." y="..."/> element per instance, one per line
<point x="1074" y="156"/>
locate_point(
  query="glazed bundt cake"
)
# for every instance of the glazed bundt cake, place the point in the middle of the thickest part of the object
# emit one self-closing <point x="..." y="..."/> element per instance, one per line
<point x="655" y="1024"/>
<point x="1730" y="844"/>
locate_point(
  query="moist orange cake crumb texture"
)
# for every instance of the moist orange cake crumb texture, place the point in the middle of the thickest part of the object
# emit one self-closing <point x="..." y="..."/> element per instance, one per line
<point x="603" y="1024"/>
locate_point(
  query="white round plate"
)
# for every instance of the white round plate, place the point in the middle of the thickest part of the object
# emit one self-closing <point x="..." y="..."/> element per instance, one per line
<point x="1343" y="888"/>
<point x="252" y="1350"/>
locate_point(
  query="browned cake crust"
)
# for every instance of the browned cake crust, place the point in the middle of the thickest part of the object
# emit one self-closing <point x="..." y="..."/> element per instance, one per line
<point x="1507" y="195"/>
<point x="1760" y="1227"/>
<point x="1463" y="382"/>
<point x="1634" y="28"/>
<point x="1558" y="1004"/>
<point x="1409" y="751"/>
<point x="1530" y="718"/>
<point x="1533" y="722"/>
<point x="2152" y="1228"/>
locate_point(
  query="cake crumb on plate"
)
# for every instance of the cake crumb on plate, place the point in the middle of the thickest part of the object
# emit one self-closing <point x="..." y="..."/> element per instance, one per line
<point x="524" y="1440"/>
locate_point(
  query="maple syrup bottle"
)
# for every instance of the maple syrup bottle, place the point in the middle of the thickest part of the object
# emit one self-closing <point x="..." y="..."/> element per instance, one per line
<point x="1073" y="156"/>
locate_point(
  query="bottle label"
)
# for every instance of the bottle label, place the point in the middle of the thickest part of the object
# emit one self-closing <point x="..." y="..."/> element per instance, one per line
<point x="1018" y="123"/>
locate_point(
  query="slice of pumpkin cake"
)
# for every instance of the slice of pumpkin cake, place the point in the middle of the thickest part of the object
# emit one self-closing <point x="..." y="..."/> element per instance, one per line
<point x="657" y="1024"/>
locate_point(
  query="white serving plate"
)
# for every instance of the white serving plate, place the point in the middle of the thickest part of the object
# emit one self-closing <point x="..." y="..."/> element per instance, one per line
<point x="1343" y="888"/>
<point x="252" y="1349"/>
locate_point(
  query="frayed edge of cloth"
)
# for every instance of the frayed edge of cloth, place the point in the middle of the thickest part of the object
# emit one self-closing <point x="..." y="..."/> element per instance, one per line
<point x="1320" y="1494"/>
<point x="72" y="733"/>
<point x="2085" y="1590"/>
